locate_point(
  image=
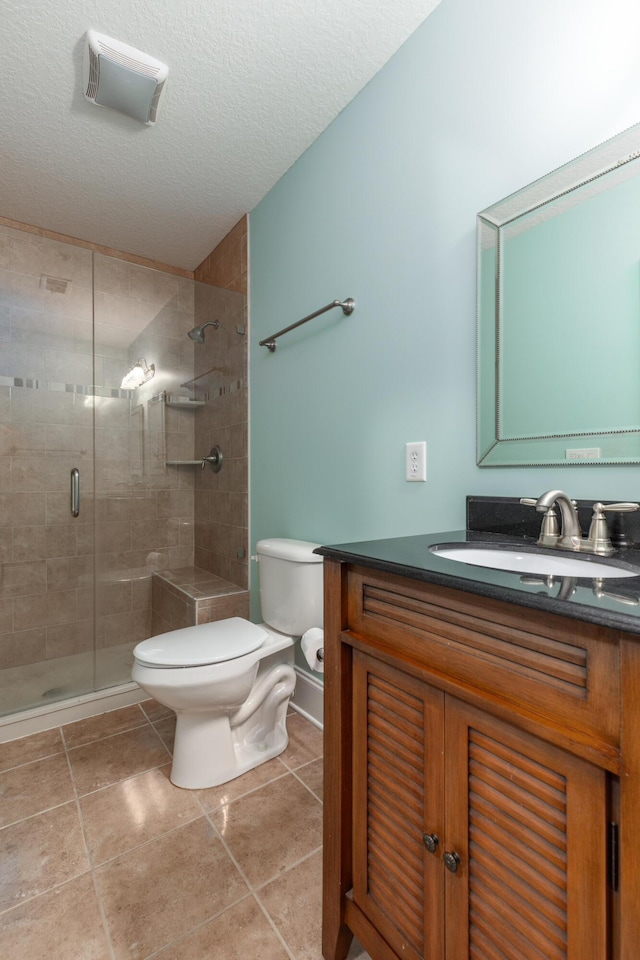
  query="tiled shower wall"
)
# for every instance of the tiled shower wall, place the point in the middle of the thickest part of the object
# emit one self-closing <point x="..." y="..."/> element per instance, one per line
<point x="220" y="365"/>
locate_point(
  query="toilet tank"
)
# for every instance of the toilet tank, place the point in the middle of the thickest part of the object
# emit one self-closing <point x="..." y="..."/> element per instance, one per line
<point x="291" y="585"/>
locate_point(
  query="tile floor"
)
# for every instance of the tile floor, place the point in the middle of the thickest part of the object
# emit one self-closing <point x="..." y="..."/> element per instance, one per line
<point x="102" y="858"/>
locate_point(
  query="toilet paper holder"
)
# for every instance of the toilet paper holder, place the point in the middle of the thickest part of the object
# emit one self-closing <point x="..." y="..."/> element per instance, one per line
<point x="313" y="648"/>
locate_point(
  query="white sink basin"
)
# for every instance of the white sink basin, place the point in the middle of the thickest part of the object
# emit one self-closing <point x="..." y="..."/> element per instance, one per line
<point x="510" y="558"/>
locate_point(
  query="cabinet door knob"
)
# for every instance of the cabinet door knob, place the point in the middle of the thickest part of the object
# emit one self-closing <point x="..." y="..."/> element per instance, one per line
<point x="451" y="862"/>
<point x="430" y="841"/>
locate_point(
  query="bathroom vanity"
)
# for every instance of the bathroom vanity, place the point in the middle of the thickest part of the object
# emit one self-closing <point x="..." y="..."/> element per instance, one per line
<point x="482" y="759"/>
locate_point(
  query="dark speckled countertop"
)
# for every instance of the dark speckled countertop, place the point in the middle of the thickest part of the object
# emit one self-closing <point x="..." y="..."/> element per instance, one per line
<point x="614" y="602"/>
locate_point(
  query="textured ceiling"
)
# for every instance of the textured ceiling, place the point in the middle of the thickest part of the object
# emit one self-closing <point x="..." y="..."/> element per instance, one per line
<point x="251" y="85"/>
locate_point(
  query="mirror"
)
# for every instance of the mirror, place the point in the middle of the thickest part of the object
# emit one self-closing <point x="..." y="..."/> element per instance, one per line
<point x="559" y="315"/>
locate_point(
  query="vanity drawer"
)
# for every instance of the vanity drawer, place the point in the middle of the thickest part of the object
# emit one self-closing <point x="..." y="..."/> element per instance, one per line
<point x="561" y="673"/>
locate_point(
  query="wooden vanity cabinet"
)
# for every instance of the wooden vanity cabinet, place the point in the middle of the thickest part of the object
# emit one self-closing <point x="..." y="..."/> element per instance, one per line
<point x="473" y="752"/>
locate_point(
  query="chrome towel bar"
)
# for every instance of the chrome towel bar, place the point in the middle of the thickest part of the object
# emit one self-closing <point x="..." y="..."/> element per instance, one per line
<point x="348" y="306"/>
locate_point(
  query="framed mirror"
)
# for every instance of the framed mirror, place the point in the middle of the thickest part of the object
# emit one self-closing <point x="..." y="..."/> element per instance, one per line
<point x="559" y="315"/>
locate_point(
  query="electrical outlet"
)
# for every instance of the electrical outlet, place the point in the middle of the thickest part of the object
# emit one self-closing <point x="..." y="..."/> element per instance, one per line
<point x="416" y="460"/>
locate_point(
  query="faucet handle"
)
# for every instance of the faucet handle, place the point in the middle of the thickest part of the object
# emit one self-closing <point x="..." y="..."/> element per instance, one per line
<point x="550" y="530"/>
<point x="598" y="537"/>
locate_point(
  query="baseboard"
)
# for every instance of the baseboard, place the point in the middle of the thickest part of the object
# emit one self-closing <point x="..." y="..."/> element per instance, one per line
<point x="67" y="711"/>
<point x="308" y="697"/>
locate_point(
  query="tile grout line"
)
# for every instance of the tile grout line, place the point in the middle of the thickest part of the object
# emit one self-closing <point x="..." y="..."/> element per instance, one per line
<point x="32" y="816"/>
<point x="153" y="727"/>
<point x="255" y="890"/>
<point x="17" y="766"/>
<point x="133" y="776"/>
<point x="108" y="736"/>
<point x="292" y="866"/>
<point x="71" y="750"/>
<point x="198" y="926"/>
<point x="145" y="843"/>
<point x="43" y="893"/>
<point x="90" y="743"/>
<point x="158" y="719"/>
<point x="300" y="780"/>
<point x="92" y="869"/>
<point x="249" y="885"/>
<point x="274" y="926"/>
<point x="256" y="895"/>
<point x="139" y="773"/>
<point x="242" y="796"/>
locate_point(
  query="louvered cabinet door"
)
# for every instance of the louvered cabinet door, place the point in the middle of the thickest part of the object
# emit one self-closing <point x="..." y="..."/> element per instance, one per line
<point x="528" y="822"/>
<point x="397" y="798"/>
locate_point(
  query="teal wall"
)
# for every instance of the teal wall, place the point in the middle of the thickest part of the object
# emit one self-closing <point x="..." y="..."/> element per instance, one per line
<point x="482" y="99"/>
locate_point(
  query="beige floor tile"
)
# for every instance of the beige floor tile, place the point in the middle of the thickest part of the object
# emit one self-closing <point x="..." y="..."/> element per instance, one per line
<point x="312" y="775"/>
<point x="306" y="742"/>
<point x="105" y="725"/>
<point x="240" y="933"/>
<point x="52" y="926"/>
<point x="272" y="828"/>
<point x="166" y="730"/>
<point x="294" y="903"/>
<point x="34" y="787"/>
<point x="40" y="853"/>
<point x="107" y="761"/>
<point x="156" y="711"/>
<point x="216" y="797"/>
<point x="129" y="813"/>
<point x="160" y="891"/>
<point x="35" y="747"/>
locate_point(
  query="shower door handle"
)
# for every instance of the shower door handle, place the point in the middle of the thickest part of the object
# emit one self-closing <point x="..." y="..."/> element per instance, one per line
<point x="75" y="492"/>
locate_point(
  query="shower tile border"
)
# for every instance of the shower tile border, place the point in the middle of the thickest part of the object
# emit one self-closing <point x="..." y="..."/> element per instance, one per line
<point x="29" y="383"/>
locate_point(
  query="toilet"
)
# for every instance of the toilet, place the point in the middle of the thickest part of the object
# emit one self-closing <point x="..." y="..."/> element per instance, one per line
<point x="229" y="682"/>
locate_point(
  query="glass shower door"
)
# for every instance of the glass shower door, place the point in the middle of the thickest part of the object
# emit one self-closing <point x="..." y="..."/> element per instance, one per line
<point x="144" y="506"/>
<point x="46" y="433"/>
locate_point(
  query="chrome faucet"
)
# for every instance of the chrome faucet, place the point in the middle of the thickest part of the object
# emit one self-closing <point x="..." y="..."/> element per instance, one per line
<point x="570" y="535"/>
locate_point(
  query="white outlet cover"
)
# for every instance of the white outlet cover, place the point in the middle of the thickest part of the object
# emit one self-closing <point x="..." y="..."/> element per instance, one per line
<point x="416" y="461"/>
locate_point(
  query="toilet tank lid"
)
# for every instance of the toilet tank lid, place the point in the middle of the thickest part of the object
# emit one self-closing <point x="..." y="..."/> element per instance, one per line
<point x="202" y="644"/>
<point x="300" y="551"/>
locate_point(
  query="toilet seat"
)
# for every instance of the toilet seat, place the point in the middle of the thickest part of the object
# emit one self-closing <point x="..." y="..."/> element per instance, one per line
<point x="204" y="644"/>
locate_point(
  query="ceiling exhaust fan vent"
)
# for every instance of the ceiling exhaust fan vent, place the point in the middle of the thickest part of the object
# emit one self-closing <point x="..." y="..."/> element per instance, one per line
<point x="54" y="284"/>
<point x="121" y="77"/>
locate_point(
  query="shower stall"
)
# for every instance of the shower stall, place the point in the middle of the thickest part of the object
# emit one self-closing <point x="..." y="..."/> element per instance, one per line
<point x="107" y="407"/>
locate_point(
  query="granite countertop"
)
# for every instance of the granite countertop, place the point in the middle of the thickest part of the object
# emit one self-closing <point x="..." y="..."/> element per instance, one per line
<point x="614" y="602"/>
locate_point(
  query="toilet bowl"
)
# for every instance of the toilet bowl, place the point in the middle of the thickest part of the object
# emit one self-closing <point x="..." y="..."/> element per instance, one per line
<point x="230" y="681"/>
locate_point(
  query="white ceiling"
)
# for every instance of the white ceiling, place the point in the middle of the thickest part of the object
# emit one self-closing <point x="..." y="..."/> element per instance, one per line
<point x="251" y="85"/>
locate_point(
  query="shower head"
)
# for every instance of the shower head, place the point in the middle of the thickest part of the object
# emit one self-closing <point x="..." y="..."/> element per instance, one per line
<point x="197" y="333"/>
